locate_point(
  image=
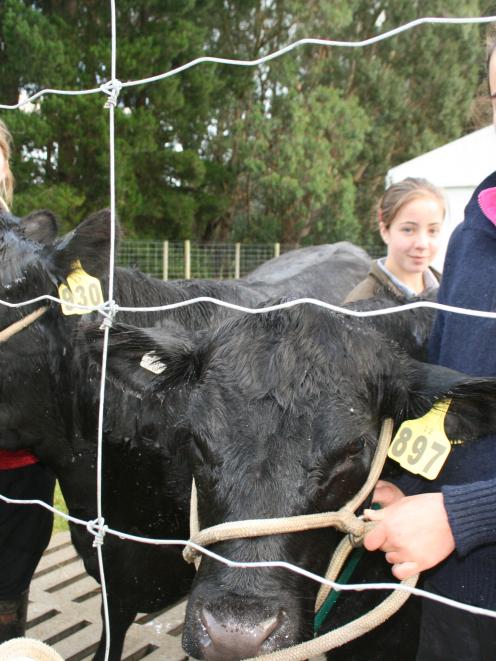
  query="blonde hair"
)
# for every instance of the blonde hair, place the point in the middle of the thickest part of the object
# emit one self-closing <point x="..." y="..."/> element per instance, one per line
<point x="7" y="182"/>
<point x="490" y="46"/>
<point x="399" y="194"/>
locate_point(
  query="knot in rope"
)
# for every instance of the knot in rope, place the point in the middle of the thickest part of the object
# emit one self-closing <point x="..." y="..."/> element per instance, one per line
<point x="351" y="524"/>
<point x="112" y="89"/>
<point x="98" y="529"/>
<point x="356" y="537"/>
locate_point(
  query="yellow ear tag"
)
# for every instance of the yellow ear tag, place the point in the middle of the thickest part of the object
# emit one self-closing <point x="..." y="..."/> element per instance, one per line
<point x="81" y="289"/>
<point x="421" y="446"/>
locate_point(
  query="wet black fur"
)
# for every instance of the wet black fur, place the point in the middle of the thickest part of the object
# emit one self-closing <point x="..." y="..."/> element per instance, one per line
<point x="283" y="416"/>
<point x="264" y="403"/>
<point x="49" y="398"/>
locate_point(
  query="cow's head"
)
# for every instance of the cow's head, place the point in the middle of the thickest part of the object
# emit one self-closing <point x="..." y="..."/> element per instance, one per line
<point x="33" y="262"/>
<point x="283" y="417"/>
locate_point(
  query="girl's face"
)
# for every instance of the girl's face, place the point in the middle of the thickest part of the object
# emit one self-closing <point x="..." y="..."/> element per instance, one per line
<point x="413" y="236"/>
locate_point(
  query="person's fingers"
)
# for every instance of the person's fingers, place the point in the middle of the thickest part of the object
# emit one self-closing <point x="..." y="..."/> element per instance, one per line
<point x="404" y="570"/>
<point x="373" y="515"/>
<point x="376" y="538"/>
<point x="381" y="483"/>
<point x="393" y="557"/>
<point x="386" y="493"/>
<point x="380" y="493"/>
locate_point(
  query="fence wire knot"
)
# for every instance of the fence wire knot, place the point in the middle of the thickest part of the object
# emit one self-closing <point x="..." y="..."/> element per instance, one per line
<point x="112" y="89"/>
<point x="98" y="529"/>
<point x="108" y="310"/>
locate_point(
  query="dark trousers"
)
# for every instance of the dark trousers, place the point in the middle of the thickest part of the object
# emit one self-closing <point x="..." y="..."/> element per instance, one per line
<point x="25" y="530"/>
<point x="448" y="633"/>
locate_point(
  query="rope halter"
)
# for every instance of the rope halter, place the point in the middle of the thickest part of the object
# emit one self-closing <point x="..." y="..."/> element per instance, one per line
<point x="344" y="519"/>
<point x="21" y="324"/>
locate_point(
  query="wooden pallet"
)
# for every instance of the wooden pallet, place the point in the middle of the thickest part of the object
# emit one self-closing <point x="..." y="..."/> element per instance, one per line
<point x="64" y="612"/>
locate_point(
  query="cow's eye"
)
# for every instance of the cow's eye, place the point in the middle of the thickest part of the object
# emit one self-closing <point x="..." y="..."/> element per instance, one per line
<point x="356" y="446"/>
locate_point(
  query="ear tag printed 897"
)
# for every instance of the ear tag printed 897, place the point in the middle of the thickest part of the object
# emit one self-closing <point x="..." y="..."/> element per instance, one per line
<point x="421" y="446"/>
<point x="81" y="289"/>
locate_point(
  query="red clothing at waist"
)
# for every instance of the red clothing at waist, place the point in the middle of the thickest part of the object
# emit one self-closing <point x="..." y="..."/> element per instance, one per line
<point x="16" y="459"/>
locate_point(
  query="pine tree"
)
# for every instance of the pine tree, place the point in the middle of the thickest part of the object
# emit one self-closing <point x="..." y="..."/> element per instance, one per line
<point x="294" y="150"/>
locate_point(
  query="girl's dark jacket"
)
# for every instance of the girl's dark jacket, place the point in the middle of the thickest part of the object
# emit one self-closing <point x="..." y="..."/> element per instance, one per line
<point x="468" y="344"/>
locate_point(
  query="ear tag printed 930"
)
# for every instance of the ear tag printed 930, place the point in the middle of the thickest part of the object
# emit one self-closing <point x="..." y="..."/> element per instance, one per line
<point x="421" y="446"/>
<point x="81" y="289"/>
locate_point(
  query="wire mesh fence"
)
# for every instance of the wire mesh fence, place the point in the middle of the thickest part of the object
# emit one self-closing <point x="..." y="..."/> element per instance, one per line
<point x="172" y="260"/>
<point x="175" y="260"/>
<point x="147" y="256"/>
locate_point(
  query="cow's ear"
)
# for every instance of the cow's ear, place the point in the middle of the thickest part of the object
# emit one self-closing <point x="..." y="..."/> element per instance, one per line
<point x="147" y="360"/>
<point x="473" y="409"/>
<point x="40" y="226"/>
<point x="88" y="243"/>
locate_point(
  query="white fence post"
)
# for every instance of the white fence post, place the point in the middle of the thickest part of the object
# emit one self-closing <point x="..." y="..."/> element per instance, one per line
<point x="277" y="249"/>
<point x="237" y="260"/>
<point x="187" y="259"/>
<point x="165" y="260"/>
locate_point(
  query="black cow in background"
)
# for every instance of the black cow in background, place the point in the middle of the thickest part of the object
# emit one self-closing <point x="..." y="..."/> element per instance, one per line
<point x="49" y="398"/>
<point x="283" y="419"/>
<point x="313" y="269"/>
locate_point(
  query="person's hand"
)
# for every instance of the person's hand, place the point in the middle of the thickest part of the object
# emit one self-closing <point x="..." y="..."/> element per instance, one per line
<point x="414" y="532"/>
<point x="386" y="493"/>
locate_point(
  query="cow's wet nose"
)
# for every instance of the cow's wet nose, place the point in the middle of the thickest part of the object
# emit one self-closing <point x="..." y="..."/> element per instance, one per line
<point x="230" y="640"/>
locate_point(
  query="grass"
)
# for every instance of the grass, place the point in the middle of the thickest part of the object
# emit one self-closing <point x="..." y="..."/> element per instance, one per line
<point x="59" y="524"/>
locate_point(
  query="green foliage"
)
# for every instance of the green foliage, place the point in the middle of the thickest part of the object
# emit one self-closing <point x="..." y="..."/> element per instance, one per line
<point x="294" y="150"/>
<point x="65" y="201"/>
<point x="59" y="523"/>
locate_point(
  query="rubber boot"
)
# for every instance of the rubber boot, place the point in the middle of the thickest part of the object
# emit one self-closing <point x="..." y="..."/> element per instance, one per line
<point x="13" y="613"/>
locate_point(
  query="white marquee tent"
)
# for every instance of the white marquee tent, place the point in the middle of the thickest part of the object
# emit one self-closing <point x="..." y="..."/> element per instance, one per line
<point x="457" y="167"/>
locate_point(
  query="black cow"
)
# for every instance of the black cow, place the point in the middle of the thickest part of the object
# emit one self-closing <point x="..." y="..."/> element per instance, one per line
<point x="49" y="397"/>
<point x="312" y="269"/>
<point x="283" y="418"/>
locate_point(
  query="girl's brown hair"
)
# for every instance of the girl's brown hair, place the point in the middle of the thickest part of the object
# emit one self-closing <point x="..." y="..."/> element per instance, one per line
<point x="7" y="182"/>
<point x="399" y="194"/>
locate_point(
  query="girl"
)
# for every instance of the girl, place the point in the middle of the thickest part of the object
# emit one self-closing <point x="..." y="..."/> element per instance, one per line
<point x="411" y="214"/>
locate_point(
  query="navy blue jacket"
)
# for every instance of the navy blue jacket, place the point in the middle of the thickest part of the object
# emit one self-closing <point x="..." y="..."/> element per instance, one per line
<point x="468" y="344"/>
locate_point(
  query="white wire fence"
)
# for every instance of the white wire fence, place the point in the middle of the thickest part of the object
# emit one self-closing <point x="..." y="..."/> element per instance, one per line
<point x="177" y="260"/>
<point x="111" y="89"/>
